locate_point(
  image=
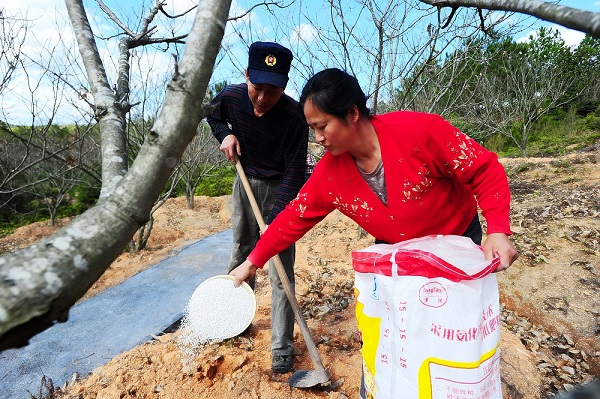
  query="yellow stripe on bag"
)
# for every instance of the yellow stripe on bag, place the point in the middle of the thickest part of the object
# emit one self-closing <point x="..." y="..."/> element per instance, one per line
<point x="369" y="328"/>
<point x="425" y="385"/>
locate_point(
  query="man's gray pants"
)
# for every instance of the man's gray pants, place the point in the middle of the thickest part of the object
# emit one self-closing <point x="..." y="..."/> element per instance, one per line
<point x="246" y="233"/>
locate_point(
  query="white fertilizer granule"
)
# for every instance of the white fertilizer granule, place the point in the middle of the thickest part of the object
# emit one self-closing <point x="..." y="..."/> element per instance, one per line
<point x="217" y="310"/>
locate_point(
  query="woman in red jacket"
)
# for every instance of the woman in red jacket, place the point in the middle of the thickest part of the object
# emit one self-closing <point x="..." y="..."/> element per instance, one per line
<point x="399" y="175"/>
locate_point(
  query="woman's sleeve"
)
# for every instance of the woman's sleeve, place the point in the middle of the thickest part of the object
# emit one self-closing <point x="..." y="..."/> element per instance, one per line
<point x="310" y="206"/>
<point x="465" y="160"/>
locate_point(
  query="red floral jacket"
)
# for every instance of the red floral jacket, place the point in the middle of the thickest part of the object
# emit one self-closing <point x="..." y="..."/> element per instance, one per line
<point x="435" y="176"/>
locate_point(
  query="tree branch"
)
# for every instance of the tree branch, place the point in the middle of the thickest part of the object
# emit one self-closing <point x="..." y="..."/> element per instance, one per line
<point x="266" y="3"/>
<point x="114" y="18"/>
<point x="584" y="21"/>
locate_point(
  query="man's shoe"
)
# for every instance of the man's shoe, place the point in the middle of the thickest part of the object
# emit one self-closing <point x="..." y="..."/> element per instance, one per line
<point x="282" y="363"/>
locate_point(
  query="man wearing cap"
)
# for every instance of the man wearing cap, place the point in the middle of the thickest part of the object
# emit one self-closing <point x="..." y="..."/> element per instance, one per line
<point x="261" y="125"/>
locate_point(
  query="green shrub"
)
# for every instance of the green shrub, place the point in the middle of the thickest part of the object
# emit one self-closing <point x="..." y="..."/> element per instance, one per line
<point x="219" y="183"/>
<point x="569" y="180"/>
<point x="590" y="122"/>
<point x="9" y="225"/>
<point x="586" y="107"/>
<point x="561" y="132"/>
<point x="82" y="198"/>
<point x="85" y="194"/>
<point x="498" y="143"/>
<point x="71" y="209"/>
<point x="512" y="152"/>
<point x="524" y="167"/>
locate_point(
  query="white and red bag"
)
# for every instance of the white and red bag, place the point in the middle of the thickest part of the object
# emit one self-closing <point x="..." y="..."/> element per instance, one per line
<point x="428" y="313"/>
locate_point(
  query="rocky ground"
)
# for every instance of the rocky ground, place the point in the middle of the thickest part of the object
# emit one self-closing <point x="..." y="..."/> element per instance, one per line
<point x="550" y="300"/>
<point x="553" y="290"/>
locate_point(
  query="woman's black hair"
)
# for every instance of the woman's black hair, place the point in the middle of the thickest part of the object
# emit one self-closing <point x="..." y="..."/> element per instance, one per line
<point x="334" y="92"/>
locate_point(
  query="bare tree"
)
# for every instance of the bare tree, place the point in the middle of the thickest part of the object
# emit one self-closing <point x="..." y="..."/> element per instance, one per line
<point x="39" y="284"/>
<point x="383" y="44"/>
<point x="201" y="159"/>
<point x="26" y="149"/>
<point x="142" y="236"/>
<point x="518" y="89"/>
<point x="12" y="36"/>
<point x="54" y="184"/>
<point x="34" y="154"/>
<point x="442" y="86"/>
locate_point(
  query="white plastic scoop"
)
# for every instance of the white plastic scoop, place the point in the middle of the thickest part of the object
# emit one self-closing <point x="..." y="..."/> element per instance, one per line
<point x="218" y="310"/>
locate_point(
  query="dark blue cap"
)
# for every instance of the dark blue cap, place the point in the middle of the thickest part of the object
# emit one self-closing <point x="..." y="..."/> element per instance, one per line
<point x="269" y="63"/>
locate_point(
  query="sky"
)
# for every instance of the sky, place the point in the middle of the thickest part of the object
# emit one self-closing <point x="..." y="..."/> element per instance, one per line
<point x="48" y="27"/>
<point x="570" y="36"/>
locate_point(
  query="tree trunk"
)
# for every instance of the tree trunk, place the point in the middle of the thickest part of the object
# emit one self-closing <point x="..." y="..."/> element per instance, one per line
<point x="107" y="110"/>
<point x="144" y="234"/>
<point x="190" y="199"/>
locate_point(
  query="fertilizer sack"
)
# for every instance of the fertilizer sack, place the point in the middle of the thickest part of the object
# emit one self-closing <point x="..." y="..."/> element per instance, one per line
<point x="428" y="315"/>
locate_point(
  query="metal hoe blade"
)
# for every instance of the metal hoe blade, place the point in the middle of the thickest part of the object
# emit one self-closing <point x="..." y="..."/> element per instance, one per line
<point x="308" y="378"/>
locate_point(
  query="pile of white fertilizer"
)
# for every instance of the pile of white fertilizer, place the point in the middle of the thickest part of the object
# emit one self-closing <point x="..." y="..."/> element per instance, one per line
<point x="217" y="310"/>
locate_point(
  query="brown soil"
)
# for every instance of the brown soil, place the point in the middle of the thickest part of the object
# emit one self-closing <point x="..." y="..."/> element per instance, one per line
<point x="554" y="285"/>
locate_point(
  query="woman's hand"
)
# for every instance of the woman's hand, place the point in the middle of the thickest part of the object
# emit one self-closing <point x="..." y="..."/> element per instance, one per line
<point x="498" y="244"/>
<point x="243" y="272"/>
